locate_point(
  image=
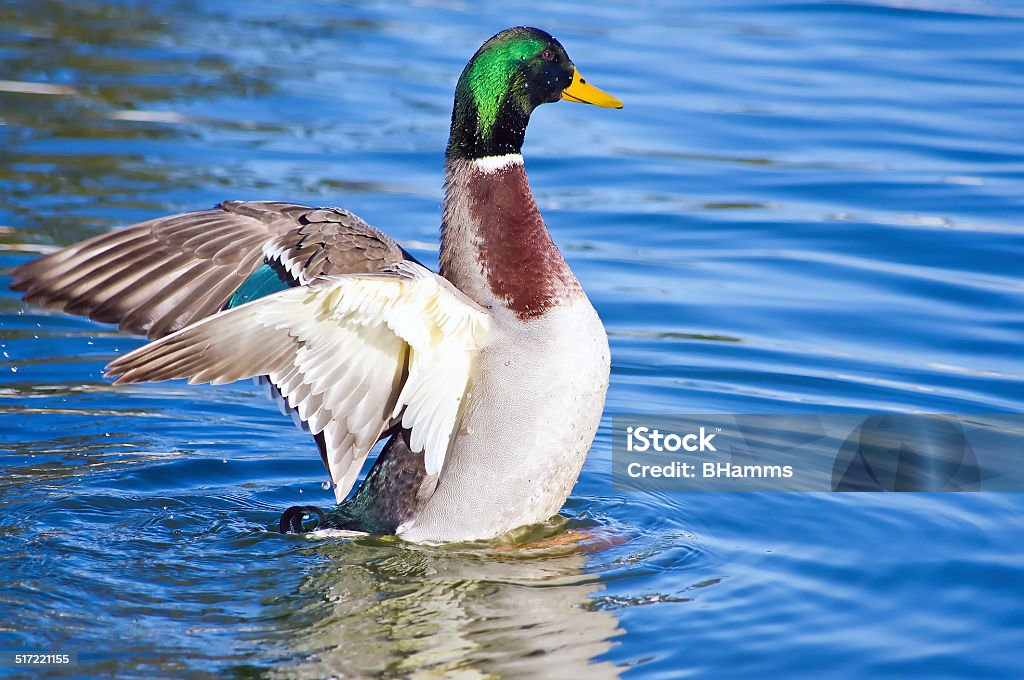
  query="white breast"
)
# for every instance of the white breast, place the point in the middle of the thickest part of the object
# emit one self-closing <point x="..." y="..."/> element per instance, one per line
<point x="529" y="421"/>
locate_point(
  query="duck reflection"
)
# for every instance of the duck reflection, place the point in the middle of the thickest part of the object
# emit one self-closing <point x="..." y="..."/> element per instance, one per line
<point x="378" y="605"/>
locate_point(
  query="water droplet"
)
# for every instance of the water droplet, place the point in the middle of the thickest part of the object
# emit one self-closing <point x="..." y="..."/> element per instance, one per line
<point x="326" y="486"/>
<point x="225" y="460"/>
<point x="14" y="369"/>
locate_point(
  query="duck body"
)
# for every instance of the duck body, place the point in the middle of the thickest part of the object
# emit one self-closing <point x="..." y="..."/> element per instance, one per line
<point x="536" y="401"/>
<point x="487" y="380"/>
<point x="539" y="387"/>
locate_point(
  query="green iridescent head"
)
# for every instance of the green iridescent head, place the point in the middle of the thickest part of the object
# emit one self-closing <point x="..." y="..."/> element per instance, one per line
<point x="511" y="74"/>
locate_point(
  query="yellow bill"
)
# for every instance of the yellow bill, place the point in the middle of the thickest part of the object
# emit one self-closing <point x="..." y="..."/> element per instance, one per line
<point x="581" y="91"/>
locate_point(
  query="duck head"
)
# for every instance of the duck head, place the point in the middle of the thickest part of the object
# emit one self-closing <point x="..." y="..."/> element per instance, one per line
<point x="511" y="74"/>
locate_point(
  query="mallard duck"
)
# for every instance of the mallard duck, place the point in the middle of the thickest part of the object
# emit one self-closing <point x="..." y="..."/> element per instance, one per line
<point x="487" y="380"/>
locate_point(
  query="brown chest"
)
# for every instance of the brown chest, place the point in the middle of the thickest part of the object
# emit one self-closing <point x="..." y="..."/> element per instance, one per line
<point x="492" y="215"/>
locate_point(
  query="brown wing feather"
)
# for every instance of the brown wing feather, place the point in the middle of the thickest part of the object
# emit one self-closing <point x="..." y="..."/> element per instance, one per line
<point x="156" y="277"/>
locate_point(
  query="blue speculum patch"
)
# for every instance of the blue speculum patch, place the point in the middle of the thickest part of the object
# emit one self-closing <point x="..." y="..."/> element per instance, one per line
<point x="260" y="283"/>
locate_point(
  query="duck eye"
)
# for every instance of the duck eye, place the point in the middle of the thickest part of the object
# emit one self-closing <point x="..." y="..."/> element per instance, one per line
<point x="548" y="54"/>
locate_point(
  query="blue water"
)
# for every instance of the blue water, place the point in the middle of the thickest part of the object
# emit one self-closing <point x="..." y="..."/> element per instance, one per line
<point x="805" y="207"/>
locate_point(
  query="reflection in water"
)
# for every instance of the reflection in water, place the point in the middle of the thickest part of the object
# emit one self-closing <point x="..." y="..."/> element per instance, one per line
<point x="83" y="74"/>
<point x="379" y="603"/>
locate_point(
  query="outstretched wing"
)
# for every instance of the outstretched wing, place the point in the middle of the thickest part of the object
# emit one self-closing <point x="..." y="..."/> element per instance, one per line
<point x="349" y="353"/>
<point x="156" y="277"/>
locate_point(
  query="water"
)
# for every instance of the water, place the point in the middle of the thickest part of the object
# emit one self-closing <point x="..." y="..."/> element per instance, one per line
<point x="805" y="207"/>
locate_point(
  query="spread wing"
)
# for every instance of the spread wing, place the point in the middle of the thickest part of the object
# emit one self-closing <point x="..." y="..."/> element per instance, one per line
<point x="156" y="277"/>
<point x="349" y="353"/>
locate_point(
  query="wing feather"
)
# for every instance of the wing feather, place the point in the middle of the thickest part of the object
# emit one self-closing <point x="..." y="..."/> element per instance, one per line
<point x="348" y="353"/>
<point x="158" y="276"/>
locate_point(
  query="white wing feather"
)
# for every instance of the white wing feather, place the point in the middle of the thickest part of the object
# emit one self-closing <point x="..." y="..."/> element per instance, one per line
<point x="337" y="350"/>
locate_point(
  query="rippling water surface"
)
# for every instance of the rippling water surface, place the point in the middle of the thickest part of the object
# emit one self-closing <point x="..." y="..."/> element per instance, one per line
<point x="804" y="207"/>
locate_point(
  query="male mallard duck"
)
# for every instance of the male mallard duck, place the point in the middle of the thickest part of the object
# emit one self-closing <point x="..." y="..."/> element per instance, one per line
<point x="489" y="379"/>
